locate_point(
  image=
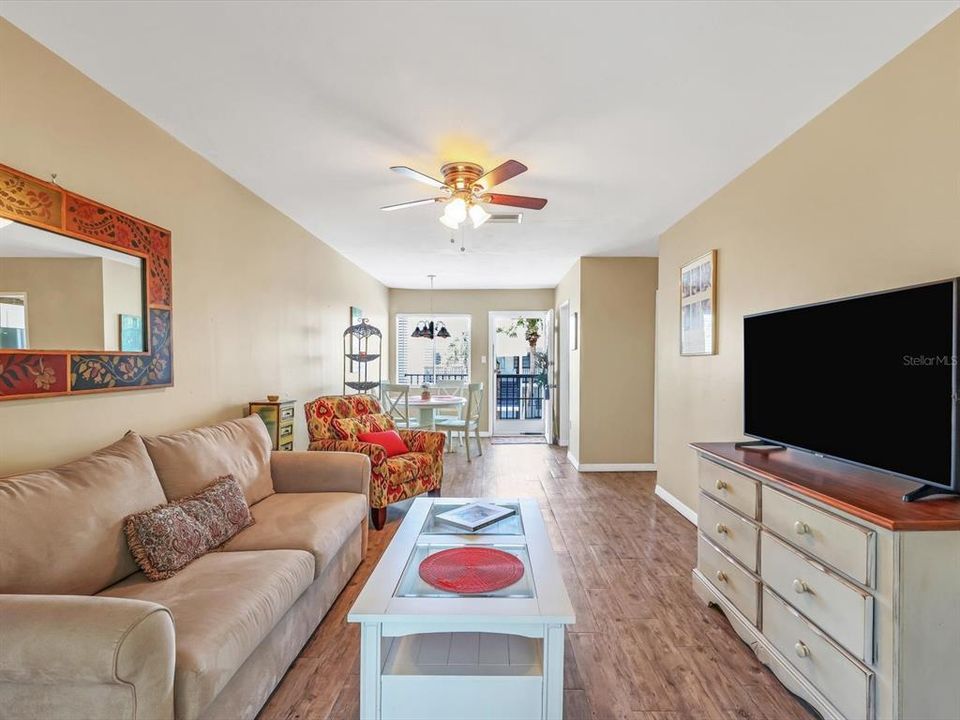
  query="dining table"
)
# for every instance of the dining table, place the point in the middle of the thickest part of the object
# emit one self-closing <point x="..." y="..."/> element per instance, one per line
<point x="435" y="402"/>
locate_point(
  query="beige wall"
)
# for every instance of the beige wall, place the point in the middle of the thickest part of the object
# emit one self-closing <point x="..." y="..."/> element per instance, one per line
<point x="477" y="304"/>
<point x="618" y="298"/>
<point x="259" y="303"/>
<point x="64" y="300"/>
<point x="863" y="198"/>
<point x="612" y="370"/>
<point x="122" y="295"/>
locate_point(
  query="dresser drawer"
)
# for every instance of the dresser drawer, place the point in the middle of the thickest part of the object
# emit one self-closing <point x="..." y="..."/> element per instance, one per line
<point x="736" y="490"/>
<point x="735" y="583"/>
<point x="849" y="548"/>
<point x="838" y="607"/>
<point x="846" y="683"/>
<point x="729" y="531"/>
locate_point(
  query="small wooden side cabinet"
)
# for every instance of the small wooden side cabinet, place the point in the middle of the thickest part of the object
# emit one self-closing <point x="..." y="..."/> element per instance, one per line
<point x="278" y="417"/>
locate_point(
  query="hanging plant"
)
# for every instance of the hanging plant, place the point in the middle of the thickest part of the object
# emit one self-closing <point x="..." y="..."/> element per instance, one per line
<point x="530" y="327"/>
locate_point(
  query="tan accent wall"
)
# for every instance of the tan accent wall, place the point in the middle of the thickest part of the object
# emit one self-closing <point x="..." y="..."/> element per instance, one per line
<point x="64" y="300"/>
<point x="618" y="298"/>
<point x="612" y="370"/>
<point x="477" y="304"/>
<point x="863" y="198"/>
<point x="259" y="303"/>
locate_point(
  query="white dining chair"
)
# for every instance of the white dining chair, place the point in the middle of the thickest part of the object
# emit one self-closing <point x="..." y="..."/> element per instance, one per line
<point x="469" y="422"/>
<point x="456" y="389"/>
<point x="395" y="400"/>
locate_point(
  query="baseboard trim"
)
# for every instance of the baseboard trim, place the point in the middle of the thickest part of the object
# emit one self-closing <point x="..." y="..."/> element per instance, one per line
<point x="673" y="502"/>
<point x="609" y="467"/>
<point x="617" y="467"/>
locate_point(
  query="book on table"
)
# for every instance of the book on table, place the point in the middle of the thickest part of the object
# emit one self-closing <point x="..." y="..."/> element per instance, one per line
<point x="475" y="515"/>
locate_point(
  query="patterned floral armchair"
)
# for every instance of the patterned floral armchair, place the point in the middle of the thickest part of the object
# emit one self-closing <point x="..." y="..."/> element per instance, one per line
<point x="334" y="421"/>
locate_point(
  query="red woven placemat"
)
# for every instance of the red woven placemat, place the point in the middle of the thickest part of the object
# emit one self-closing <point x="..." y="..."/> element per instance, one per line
<point x="471" y="570"/>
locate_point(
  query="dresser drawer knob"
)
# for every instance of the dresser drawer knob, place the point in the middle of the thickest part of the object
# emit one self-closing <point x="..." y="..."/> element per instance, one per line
<point x="799" y="586"/>
<point x="721" y="528"/>
<point x="721" y="485"/>
<point x="721" y="576"/>
<point x="801" y="650"/>
<point x="801" y="528"/>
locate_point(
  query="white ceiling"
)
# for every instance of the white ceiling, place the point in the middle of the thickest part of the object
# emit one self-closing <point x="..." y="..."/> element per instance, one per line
<point x="628" y="114"/>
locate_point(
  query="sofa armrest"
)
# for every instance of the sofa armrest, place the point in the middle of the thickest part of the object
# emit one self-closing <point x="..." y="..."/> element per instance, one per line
<point x="54" y="646"/>
<point x="297" y="472"/>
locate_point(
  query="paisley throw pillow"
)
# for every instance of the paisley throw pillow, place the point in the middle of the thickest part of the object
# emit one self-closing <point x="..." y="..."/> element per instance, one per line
<point x="169" y="537"/>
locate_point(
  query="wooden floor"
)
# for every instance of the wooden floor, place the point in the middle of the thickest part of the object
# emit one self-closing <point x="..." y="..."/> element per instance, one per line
<point x="643" y="647"/>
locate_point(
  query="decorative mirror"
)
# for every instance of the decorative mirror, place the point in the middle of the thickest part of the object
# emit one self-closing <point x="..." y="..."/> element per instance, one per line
<point x="85" y="294"/>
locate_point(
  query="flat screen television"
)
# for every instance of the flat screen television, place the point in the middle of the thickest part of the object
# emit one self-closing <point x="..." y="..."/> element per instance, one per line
<point x="871" y="380"/>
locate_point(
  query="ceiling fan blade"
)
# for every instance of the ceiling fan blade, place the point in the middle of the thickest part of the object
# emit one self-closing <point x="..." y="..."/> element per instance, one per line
<point x="412" y="203"/>
<point x="416" y="175"/>
<point x="501" y="173"/>
<point x="530" y="203"/>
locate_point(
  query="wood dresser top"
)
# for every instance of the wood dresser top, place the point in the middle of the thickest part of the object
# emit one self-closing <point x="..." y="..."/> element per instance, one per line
<point x="867" y="494"/>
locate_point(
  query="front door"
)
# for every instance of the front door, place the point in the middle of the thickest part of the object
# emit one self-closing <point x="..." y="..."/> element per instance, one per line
<point x="519" y="372"/>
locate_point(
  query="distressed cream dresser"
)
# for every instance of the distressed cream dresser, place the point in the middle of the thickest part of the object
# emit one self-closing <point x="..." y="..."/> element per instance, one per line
<point x="848" y="594"/>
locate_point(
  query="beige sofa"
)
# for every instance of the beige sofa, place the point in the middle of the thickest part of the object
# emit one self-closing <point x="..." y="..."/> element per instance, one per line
<point x="84" y="635"/>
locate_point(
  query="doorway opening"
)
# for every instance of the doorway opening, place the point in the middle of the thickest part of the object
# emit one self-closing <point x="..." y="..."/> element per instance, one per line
<point x="519" y="373"/>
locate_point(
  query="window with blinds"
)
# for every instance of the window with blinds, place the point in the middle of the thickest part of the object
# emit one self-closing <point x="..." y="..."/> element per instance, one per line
<point x="433" y="360"/>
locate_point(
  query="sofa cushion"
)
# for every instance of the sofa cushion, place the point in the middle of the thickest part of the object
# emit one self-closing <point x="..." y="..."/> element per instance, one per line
<point x="404" y="468"/>
<point x="223" y="606"/>
<point x="169" y="537"/>
<point x="319" y="523"/>
<point x="350" y="428"/>
<point x="61" y="530"/>
<point x="187" y="461"/>
<point x="322" y="411"/>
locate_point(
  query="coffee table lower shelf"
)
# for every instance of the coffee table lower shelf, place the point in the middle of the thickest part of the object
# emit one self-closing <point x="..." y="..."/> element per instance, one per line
<point x="461" y="675"/>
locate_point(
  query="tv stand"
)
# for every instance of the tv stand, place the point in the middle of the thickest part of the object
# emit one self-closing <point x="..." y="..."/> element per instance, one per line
<point x="761" y="446"/>
<point x="847" y="593"/>
<point x="925" y="490"/>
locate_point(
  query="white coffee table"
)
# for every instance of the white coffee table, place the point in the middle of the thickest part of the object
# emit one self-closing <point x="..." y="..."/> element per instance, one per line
<point x="426" y="654"/>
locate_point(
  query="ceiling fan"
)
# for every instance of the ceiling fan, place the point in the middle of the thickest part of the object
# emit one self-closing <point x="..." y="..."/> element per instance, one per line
<point x="466" y="189"/>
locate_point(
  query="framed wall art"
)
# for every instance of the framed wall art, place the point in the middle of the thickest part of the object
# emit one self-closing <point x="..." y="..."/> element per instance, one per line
<point x="698" y="306"/>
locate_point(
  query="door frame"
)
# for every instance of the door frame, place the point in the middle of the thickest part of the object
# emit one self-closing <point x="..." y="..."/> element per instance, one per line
<point x="562" y="359"/>
<point x="492" y="317"/>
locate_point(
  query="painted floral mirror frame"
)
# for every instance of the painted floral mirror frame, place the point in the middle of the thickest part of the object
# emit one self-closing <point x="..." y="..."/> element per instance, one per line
<point x="46" y="373"/>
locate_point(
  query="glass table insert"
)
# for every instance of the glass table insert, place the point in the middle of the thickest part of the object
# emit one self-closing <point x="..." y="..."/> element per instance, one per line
<point x="511" y="525"/>
<point x="411" y="585"/>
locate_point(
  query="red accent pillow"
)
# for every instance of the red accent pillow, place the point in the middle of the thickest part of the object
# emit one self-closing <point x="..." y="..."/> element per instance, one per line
<point x="390" y="440"/>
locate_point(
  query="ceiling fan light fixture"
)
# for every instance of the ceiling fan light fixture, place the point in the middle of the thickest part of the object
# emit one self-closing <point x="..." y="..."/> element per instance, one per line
<point x="449" y="223"/>
<point x="478" y="215"/>
<point x="456" y="210"/>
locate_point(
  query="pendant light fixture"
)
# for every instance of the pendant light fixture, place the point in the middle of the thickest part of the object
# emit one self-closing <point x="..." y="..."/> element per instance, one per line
<point x="427" y="329"/>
